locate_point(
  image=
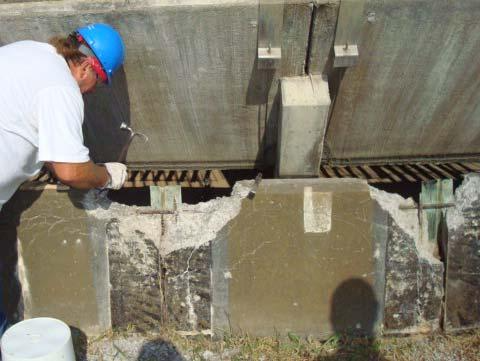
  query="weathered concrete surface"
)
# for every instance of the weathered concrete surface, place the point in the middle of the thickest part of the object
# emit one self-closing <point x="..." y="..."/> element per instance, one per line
<point x="135" y="271"/>
<point x="462" y="296"/>
<point x="299" y="257"/>
<point x="160" y="265"/>
<point x="63" y="265"/>
<point x="187" y="277"/>
<point x="303" y="119"/>
<point x="289" y="259"/>
<point x="190" y="79"/>
<point x="413" y="276"/>
<point x="414" y="91"/>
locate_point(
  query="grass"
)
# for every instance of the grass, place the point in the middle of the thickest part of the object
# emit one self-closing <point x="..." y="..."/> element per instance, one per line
<point x="438" y="347"/>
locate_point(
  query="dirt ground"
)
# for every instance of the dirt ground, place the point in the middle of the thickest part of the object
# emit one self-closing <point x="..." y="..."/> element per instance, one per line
<point x="169" y="345"/>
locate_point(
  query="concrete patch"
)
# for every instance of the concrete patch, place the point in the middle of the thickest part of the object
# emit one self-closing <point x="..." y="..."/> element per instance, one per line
<point x="317" y="211"/>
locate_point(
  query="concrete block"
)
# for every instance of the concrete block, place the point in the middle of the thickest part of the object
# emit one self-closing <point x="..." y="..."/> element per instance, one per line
<point x="345" y="56"/>
<point x="63" y="263"/>
<point x="462" y="295"/>
<point x="305" y="105"/>
<point x="274" y="272"/>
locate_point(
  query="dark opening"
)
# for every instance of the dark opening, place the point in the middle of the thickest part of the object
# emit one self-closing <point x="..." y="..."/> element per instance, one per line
<point x="141" y="196"/>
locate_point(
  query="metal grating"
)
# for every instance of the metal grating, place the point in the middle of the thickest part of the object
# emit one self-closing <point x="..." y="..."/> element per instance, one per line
<point x="144" y="178"/>
<point x="395" y="173"/>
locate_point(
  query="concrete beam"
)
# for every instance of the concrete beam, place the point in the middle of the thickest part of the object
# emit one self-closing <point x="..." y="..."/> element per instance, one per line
<point x="305" y="104"/>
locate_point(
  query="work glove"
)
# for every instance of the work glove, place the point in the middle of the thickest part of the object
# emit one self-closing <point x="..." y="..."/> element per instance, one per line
<point x="117" y="173"/>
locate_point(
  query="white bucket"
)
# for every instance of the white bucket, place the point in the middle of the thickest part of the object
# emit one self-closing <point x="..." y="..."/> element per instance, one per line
<point x="39" y="339"/>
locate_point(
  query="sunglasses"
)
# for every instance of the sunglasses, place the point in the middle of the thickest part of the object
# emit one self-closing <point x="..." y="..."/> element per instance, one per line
<point x="92" y="59"/>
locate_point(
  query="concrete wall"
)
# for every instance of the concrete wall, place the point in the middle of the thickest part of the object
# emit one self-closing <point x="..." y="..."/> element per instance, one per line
<point x="190" y="79"/>
<point x="284" y="260"/>
<point x="414" y="92"/>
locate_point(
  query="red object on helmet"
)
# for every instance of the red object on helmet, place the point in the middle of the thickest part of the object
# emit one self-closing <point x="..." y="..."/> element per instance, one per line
<point x="92" y="59"/>
<point x="97" y="67"/>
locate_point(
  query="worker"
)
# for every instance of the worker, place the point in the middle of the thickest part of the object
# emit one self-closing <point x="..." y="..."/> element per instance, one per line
<point x="41" y="117"/>
<point x="42" y="110"/>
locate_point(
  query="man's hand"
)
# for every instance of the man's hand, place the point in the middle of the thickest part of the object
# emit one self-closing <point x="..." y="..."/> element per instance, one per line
<point x="117" y="173"/>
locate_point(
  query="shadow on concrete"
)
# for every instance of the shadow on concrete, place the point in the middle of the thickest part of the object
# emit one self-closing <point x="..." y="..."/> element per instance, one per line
<point x="105" y="110"/>
<point x="353" y="317"/>
<point x="80" y="343"/>
<point x="258" y="91"/>
<point x="9" y="282"/>
<point x="159" y="350"/>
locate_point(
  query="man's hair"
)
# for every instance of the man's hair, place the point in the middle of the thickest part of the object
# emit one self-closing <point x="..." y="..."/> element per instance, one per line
<point x="68" y="48"/>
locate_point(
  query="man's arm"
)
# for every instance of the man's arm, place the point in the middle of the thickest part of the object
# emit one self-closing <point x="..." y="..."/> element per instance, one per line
<point x="80" y="175"/>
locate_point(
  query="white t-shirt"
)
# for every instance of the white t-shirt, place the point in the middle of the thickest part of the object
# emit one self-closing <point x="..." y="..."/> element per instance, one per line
<point x="41" y="113"/>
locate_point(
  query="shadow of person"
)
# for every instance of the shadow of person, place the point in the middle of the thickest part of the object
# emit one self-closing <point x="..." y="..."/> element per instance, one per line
<point x="159" y="350"/>
<point x="105" y="110"/>
<point x="80" y="343"/>
<point x="10" y="216"/>
<point x="354" y="315"/>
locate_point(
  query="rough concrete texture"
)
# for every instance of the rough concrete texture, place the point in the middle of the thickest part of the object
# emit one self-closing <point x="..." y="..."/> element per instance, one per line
<point x="160" y="264"/>
<point x="187" y="281"/>
<point x="248" y="263"/>
<point x="283" y="274"/>
<point x="414" y="91"/>
<point x="190" y="81"/>
<point x="462" y="296"/>
<point x="134" y="277"/>
<point x="414" y="277"/>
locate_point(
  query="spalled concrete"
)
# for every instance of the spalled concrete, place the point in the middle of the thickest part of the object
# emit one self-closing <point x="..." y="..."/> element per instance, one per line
<point x="160" y="263"/>
<point x="288" y="259"/>
<point x="414" y="277"/>
<point x="462" y="296"/>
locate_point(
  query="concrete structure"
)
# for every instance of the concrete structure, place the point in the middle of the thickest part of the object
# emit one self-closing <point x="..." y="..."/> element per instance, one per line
<point x="413" y="93"/>
<point x="462" y="289"/>
<point x="254" y="264"/>
<point x="192" y="81"/>
<point x="303" y="119"/>
<point x="300" y="257"/>
<point x="62" y="259"/>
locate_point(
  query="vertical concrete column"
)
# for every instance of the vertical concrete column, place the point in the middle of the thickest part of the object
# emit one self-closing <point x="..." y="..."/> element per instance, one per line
<point x="305" y="104"/>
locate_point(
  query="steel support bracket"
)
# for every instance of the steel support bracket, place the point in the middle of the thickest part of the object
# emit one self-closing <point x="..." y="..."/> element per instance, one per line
<point x="270" y="27"/>
<point x="349" y="24"/>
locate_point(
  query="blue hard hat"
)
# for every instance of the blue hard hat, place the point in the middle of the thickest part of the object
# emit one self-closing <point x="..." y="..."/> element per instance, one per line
<point x="107" y="45"/>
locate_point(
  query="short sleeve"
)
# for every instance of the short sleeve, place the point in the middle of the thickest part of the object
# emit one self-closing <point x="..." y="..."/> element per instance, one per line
<point x="59" y="111"/>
